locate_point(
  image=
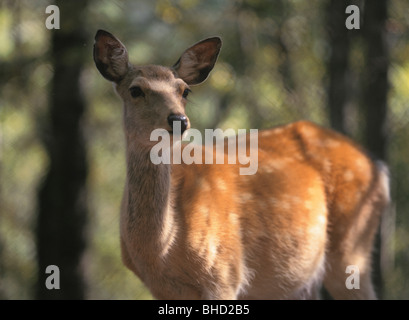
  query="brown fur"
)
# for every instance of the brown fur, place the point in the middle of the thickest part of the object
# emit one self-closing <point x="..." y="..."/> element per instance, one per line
<point x="206" y="232"/>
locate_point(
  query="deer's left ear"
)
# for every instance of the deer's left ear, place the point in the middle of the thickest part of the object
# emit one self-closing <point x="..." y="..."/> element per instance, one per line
<point x="110" y="56"/>
<point x="195" y="63"/>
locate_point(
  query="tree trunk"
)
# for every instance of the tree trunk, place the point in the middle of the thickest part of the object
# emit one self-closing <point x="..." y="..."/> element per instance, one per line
<point x="338" y="64"/>
<point x="375" y="92"/>
<point x="62" y="198"/>
<point x="337" y="72"/>
<point x="376" y="76"/>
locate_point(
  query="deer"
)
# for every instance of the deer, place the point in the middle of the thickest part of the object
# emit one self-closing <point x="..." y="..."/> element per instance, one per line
<point x="200" y="231"/>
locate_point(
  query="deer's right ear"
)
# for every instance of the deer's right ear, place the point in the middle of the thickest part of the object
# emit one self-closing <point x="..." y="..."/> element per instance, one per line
<point x="110" y="56"/>
<point x="195" y="64"/>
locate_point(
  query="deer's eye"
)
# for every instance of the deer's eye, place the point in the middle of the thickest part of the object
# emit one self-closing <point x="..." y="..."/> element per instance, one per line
<point x="136" y="92"/>
<point x="186" y="93"/>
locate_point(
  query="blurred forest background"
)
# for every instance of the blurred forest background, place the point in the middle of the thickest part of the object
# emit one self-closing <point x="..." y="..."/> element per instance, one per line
<point x="62" y="160"/>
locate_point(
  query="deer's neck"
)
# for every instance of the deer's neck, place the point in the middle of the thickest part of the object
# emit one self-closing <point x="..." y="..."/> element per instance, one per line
<point x="148" y="213"/>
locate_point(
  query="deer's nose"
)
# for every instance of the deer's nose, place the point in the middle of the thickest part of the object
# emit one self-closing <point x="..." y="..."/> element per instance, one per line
<point x="174" y="118"/>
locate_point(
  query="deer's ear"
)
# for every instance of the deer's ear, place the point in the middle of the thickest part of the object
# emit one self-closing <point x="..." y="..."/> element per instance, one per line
<point x="110" y="56"/>
<point x="195" y="64"/>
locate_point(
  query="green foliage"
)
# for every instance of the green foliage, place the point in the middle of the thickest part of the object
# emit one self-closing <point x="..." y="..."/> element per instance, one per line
<point x="272" y="70"/>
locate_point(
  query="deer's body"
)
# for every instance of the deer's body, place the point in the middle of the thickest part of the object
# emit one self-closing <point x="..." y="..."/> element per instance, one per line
<point x="204" y="231"/>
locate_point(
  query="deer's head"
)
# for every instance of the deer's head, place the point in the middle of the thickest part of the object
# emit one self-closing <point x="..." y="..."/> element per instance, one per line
<point x="154" y="96"/>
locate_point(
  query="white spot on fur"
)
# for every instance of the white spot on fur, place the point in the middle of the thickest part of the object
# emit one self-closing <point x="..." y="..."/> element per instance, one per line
<point x="204" y="185"/>
<point x="168" y="234"/>
<point x="212" y="248"/>
<point x="267" y="133"/>
<point x="311" y="191"/>
<point x="234" y="219"/>
<point x="330" y="143"/>
<point x="308" y="204"/>
<point x="245" y="197"/>
<point x="279" y="164"/>
<point x="327" y="165"/>
<point x="308" y="132"/>
<point x="360" y="163"/>
<point x="348" y="175"/>
<point x="204" y="211"/>
<point x="221" y="184"/>
<point x="266" y="169"/>
<point x="322" y="219"/>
